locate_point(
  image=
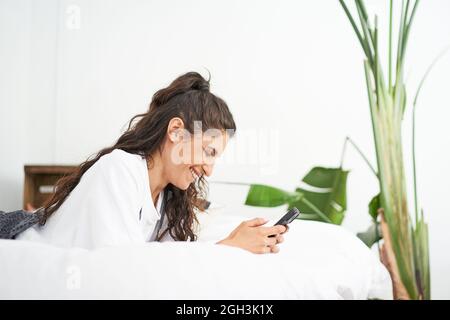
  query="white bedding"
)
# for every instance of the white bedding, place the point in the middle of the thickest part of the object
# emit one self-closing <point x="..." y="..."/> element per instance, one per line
<point x="316" y="261"/>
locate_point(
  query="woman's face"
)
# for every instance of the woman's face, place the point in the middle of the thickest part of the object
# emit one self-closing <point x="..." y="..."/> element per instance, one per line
<point x="190" y="156"/>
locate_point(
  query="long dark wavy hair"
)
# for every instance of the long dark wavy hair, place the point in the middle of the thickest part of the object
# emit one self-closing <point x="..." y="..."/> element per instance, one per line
<point x="187" y="97"/>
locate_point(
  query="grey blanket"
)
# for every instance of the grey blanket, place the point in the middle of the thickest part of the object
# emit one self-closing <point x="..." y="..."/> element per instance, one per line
<point x="15" y="222"/>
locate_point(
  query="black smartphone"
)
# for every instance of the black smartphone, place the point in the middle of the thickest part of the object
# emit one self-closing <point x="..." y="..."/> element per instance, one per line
<point x="287" y="218"/>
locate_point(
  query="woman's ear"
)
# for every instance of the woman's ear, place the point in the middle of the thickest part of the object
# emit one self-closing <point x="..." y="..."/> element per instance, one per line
<point x="175" y="129"/>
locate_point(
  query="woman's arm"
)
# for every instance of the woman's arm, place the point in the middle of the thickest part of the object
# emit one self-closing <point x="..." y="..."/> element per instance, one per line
<point x="252" y="236"/>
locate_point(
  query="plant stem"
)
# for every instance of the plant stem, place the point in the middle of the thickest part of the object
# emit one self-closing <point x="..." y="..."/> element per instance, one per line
<point x="390" y="46"/>
<point x="344" y="149"/>
<point x="399" y="46"/>
<point x="358" y="33"/>
<point x="368" y="39"/>
<point x="316" y="210"/>
<point x="416" y="207"/>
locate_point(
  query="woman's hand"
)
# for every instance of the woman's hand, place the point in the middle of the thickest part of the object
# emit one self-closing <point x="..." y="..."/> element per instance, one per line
<point x="252" y="236"/>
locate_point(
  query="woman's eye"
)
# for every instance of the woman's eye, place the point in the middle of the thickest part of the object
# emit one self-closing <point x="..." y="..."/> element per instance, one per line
<point x="210" y="152"/>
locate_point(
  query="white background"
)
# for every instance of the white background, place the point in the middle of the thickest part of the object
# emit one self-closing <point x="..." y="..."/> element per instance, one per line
<point x="292" y="68"/>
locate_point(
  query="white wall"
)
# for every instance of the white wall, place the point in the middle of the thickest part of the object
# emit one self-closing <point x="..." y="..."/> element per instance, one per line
<point x="27" y="92"/>
<point x="68" y="89"/>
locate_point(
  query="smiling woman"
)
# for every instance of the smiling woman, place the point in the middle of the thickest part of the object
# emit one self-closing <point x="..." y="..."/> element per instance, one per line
<point x="148" y="185"/>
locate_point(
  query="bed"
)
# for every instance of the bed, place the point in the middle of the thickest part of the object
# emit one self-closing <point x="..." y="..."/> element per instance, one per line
<point x="316" y="261"/>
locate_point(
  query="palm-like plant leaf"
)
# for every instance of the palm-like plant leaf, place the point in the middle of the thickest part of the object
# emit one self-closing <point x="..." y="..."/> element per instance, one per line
<point x="329" y="195"/>
<point x="387" y="106"/>
<point x="325" y="200"/>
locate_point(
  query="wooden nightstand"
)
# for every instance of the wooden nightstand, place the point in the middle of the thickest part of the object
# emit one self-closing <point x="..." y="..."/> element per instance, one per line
<point x="40" y="181"/>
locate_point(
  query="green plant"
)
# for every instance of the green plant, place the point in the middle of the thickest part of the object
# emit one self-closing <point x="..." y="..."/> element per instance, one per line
<point x="387" y="100"/>
<point x="323" y="198"/>
<point x="326" y="200"/>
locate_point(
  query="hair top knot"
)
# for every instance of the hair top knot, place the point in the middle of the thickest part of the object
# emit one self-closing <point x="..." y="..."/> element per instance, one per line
<point x="201" y="85"/>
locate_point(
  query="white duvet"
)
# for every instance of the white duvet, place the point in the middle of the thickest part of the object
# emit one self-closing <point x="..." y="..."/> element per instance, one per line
<point x="316" y="261"/>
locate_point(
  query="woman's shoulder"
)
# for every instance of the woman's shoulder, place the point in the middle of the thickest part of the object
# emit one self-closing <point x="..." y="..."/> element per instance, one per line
<point x="119" y="163"/>
<point x="118" y="157"/>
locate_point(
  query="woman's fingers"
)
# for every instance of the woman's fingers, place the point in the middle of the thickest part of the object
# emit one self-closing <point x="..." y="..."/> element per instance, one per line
<point x="274" y="249"/>
<point x="273" y="230"/>
<point x="280" y="239"/>
<point x="270" y="241"/>
<point x="271" y="244"/>
<point x="255" y="222"/>
<point x="268" y="249"/>
<point x="253" y="236"/>
<point x="264" y="249"/>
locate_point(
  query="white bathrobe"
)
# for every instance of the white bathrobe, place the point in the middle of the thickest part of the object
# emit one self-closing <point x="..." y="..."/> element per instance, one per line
<point x="111" y="205"/>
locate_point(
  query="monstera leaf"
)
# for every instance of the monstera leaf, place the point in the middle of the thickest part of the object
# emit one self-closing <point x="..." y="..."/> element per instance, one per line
<point x="328" y="192"/>
<point x="323" y="198"/>
<point x="261" y="195"/>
